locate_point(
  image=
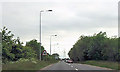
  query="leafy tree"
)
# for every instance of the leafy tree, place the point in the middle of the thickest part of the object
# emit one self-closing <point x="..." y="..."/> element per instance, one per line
<point x="28" y="52"/>
<point x="7" y="43"/>
<point x="56" y="55"/>
<point x="13" y="50"/>
<point x="96" y="47"/>
<point x="35" y="46"/>
<point x="17" y="49"/>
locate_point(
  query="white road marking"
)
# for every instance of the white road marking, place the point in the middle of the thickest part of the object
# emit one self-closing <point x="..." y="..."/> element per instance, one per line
<point x="68" y="64"/>
<point x="76" y="69"/>
<point x="71" y="66"/>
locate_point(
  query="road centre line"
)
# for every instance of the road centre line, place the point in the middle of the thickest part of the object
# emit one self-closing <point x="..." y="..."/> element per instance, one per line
<point x="76" y="69"/>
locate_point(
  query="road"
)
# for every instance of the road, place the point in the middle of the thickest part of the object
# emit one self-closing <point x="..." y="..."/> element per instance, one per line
<point x="72" y="66"/>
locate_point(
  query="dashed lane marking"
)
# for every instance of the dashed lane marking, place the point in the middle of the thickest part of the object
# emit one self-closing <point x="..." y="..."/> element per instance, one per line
<point x="76" y="69"/>
<point x="71" y="66"/>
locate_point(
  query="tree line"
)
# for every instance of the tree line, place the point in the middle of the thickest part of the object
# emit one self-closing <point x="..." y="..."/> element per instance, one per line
<point x="96" y="47"/>
<point x="13" y="49"/>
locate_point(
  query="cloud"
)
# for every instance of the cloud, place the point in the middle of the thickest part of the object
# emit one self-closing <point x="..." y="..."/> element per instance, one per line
<point x="68" y="20"/>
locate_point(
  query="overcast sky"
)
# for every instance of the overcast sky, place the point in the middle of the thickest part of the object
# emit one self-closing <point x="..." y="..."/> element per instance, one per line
<point x="69" y="20"/>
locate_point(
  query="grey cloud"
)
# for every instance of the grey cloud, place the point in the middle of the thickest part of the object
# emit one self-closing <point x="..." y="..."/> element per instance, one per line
<point x="68" y="19"/>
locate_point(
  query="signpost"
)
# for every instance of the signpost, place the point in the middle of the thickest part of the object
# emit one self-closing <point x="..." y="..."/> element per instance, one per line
<point x="44" y="53"/>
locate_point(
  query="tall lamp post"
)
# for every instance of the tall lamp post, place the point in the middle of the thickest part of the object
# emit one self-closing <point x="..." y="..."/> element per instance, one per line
<point x="40" y="29"/>
<point x="50" y="42"/>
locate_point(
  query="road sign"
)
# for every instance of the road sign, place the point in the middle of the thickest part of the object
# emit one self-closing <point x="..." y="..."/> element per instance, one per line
<point x="44" y="52"/>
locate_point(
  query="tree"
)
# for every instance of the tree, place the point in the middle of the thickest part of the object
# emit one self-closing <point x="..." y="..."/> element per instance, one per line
<point x="56" y="56"/>
<point x="35" y="46"/>
<point x="13" y="50"/>
<point x="96" y="47"/>
<point x="7" y="43"/>
<point x="28" y="52"/>
<point x="17" y="49"/>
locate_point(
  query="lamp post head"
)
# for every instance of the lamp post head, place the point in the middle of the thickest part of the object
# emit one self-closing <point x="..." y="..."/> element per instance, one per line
<point x="49" y="10"/>
<point x="53" y="35"/>
<point x="46" y="11"/>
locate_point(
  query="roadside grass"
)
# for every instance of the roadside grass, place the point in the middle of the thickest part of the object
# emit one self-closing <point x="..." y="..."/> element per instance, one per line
<point x="106" y="64"/>
<point x="27" y="65"/>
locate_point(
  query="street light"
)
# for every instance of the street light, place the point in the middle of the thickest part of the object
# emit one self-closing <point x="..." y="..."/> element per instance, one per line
<point x="50" y="42"/>
<point x="40" y="28"/>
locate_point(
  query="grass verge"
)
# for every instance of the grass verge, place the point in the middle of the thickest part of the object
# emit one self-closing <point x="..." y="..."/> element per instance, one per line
<point x="106" y="64"/>
<point x="28" y="65"/>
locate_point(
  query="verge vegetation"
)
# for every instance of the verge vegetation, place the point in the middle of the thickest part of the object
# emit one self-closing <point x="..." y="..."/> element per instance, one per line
<point x="98" y="48"/>
<point x="106" y="64"/>
<point x="16" y="56"/>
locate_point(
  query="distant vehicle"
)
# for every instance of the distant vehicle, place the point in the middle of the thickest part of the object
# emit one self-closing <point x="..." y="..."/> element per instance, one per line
<point x="69" y="61"/>
<point x="63" y="59"/>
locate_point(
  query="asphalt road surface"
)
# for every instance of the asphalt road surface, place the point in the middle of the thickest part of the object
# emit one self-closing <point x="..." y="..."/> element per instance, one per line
<point x="72" y="66"/>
